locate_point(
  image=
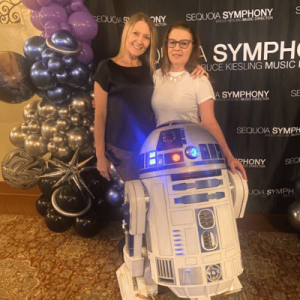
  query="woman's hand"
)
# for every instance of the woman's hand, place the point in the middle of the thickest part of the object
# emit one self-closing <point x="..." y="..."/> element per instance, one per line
<point x="234" y="165"/>
<point x="103" y="167"/>
<point x="199" y="72"/>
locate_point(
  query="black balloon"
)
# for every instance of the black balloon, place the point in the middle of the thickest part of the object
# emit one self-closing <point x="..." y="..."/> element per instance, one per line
<point x="48" y="54"/>
<point x="63" y="77"/>
<point x="115" y="196"/>
<point x="70" y="199"/>
<point x="42" y="204"/>
<point x="294" y="214"/>
<point x="70" y="61"/>
<point x="33" y="48"/>
<point x="57" y="222"/>
<point x="297" y="189"/>
<point x="41" y="76"/>
<point x="59" y="95"/>
<point x="15" y="83"/>
<point x="56" y="65"/>
<point x="46" y="183"/>
<point x="79" y="75"/>
<point x="89" y="224"/>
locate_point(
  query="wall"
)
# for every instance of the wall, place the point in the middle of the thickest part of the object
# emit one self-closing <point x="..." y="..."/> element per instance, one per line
<point x="12" y="37"/>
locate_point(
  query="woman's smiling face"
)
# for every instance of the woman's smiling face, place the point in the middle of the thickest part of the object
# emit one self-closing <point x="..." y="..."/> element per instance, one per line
<point x="138" y="40"/>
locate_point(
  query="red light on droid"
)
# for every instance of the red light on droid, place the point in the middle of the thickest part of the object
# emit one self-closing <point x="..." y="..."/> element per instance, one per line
<point x="176" y="157"/>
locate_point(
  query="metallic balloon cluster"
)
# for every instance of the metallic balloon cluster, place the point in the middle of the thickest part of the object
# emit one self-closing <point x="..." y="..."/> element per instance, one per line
<point x="115" y="193"/>
<point x="294" y="208"/>
<point x="72" y="195"/>
<point x="49" y="16"/>
<point x="59" y="130"/>
<point x="56" y="71"/>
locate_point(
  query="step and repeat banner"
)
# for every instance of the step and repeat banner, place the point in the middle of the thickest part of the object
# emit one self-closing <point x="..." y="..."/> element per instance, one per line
<point x="251" y="50"/>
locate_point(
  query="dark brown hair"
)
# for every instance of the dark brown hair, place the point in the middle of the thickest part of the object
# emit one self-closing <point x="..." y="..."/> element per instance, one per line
<point x="194" y="57"/>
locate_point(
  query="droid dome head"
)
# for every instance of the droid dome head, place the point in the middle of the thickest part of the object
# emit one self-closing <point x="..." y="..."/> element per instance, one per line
<point x="177" y="147"/>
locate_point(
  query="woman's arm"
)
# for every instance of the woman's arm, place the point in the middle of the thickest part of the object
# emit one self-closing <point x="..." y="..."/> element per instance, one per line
<point x="209" y="122"/>
<point x="100" y="102"/>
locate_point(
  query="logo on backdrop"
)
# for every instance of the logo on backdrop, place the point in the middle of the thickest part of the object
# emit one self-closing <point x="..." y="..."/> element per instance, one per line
<point x="244" y="15"/>
<point x="270" y="131"/>
<point x="268" y="55"/>
<point x="292" y="161"/>
<point x="297" y="10"/>
<point x="242" y="95"/>
<point x="253" y="162"/>
<point x="157" y="20"/>
<point x="282" y="192"/>
<point x="295" y="93"/>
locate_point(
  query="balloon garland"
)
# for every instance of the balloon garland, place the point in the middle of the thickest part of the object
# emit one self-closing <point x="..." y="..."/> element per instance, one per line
<point x="58" y="66"/>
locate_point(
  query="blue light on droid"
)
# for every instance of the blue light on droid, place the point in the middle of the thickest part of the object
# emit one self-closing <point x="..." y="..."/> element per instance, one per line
<point x="152" y="154"/>
<point x="192" y="152"/>
<point x="152" y="161"/>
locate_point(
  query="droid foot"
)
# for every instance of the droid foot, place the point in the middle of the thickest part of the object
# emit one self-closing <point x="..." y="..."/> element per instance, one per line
<point x="235" y="287"/>
<point x="134" y="288"/>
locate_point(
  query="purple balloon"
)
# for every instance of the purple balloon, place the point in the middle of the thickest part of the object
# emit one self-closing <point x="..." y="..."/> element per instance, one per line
<point x="51" y="27"/>
<point x="44" y="2"/>
<point x="84" y="24"/>
<point x="53" y="12"/>
<point x="76" y="5"/>
<point x="31" y="4"/>
<point x="86" y="54"/>
<point x="35" y="20"/>
<point x="62" y="2"/>
<point x="65" y="26"/>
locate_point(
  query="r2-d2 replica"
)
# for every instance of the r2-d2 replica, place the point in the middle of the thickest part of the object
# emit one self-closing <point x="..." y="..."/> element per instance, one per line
<point x="179" y="218"/>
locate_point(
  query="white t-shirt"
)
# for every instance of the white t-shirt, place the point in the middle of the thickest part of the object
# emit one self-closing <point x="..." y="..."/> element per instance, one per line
<point x="179" y="100"/>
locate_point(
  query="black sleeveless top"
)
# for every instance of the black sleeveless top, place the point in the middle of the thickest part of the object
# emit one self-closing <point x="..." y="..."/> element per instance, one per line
<point x="130" y="118"/>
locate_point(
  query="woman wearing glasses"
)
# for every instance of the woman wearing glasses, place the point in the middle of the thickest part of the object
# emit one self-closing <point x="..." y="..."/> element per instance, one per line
<point x="177" y="96"/>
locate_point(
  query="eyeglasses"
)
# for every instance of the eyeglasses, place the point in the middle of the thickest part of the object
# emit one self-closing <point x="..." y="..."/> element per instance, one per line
<point x="182" y="43"/>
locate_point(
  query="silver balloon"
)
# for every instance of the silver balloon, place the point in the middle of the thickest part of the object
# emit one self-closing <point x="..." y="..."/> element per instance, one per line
<point x="59" y="139"/>
<point x="86" y="121"/>
<point x="17" y="137"/>
<point x="76" y="120"/>
<point x="30" y="110"/>
<point x="121" y="183"/>
<point x="24" y="127"/>
<point x="294" y="214"/>
<point x="62" y="124"/>
<point x="22" y="171"/>
<point x="88" y="152"/>
<point x="62" y="151"/>
<point x="64" y="111"/>
<point x="78" y="137"/>
<point x="114" y="176"/>
<point x="34" y="126"/>
<point x="52" y="148"/>
<point x="81" y="103"/>
<point x="91" y="129"/>
<point x="35" y="145"/>
<point x="46" y="110"/>
<point x="48" y="129"/>
<point x="92" y="94"/>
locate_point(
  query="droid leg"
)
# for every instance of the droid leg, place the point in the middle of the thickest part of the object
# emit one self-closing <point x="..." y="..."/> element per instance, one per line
<point x="134" y="276"/>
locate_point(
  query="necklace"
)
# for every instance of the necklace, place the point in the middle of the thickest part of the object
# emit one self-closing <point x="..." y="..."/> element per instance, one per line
<point x="175" y="79"/>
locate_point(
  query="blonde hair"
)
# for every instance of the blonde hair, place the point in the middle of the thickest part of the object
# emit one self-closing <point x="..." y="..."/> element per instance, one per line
<point x="150" y="53"/>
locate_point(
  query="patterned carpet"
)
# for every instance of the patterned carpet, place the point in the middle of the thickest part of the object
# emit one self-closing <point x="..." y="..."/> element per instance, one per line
<point x="37" y="264"/>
